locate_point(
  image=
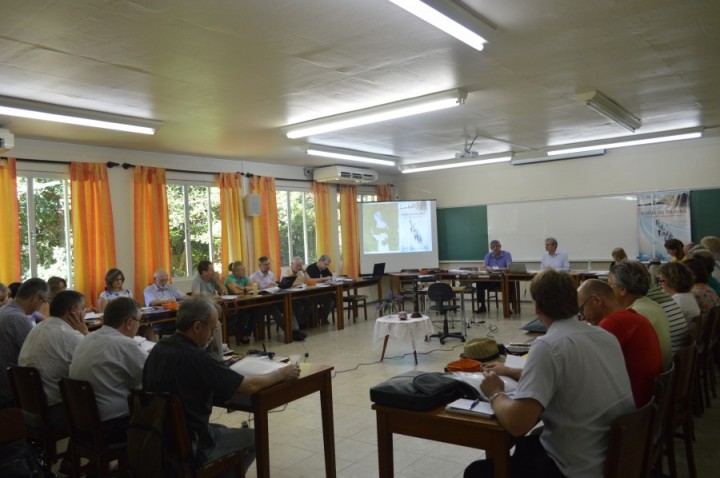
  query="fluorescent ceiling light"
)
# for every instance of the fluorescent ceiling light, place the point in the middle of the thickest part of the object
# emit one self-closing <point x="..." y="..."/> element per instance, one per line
<point x="376" y="114"/>
<point x="449" y="18"/>
<point x="76" y="116"/>
<point x="478" y="162"/>
<point x="662" y="137"/>
<point x="600" y="103"/>
<point x="535" y="157"/>
<point x="350" y="155"/>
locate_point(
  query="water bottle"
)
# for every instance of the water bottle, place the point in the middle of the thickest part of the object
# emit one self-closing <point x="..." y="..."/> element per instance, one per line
<point x="589" y="266"/>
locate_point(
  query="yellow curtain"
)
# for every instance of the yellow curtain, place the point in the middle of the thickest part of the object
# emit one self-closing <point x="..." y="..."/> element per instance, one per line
<point x="232" y="219"/>
<point x="349" y="231"/>
<point x="152" y="232"/>
<point x="323" y="218"/>
<point x="384" y="192"/>
<point x="9" y="223"/>
<point x="93" y="228"/>
<point x="265" y="226"/>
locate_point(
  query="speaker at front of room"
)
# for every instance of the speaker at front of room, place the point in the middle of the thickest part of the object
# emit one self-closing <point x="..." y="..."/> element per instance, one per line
<point x="252" y="205"/>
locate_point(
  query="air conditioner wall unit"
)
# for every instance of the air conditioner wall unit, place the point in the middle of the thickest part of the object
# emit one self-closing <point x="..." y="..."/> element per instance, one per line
<point x="344" y="175"/>
<point x="7" y="140"/>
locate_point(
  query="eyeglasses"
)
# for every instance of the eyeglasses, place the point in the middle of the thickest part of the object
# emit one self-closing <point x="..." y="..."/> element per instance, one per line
<point x="121" y="279"/>
<point x="43" y="298"/>
<point x="139" y="321"/>
<point x="659" y="281"/>
<point x="581" y="309"/>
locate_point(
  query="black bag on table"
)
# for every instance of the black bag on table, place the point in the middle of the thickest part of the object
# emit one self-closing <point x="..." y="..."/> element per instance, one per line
<point x="420" y="391"/>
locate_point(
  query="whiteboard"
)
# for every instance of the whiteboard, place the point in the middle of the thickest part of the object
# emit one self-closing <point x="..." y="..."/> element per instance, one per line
<point x="585" y="228"/>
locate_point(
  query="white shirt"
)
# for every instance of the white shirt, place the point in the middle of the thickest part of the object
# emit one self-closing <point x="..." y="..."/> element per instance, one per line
<point x="169" y="292"/>
<point x="49" y="347"/>
<point x="558" y="261"/>
<point x="300" y="277"/>
<point x="113" y="365"/>
<point x="688" y="303"/>
<point x="263" y="280"/>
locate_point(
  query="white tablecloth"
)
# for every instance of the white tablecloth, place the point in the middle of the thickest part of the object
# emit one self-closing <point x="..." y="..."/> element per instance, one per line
<point x="407" y="330"/>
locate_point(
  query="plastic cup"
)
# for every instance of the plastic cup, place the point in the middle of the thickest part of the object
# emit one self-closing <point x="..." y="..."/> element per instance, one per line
<point x="295" y="359"/>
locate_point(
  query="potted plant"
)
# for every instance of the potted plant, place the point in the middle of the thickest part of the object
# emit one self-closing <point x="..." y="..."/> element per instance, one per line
<point x="391" y="304"/>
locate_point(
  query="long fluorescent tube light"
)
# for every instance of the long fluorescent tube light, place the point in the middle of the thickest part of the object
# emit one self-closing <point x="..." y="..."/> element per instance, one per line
<point x="520" y="158"/>
<point x="600" y="103"/>
<point x="678" y="135"/>
<point x="376" y="114"/>
<point x="449" y="18"/>
<point x="478" y="162"/>
<point x="350" y="155"/>
<point x="64" y="114"/>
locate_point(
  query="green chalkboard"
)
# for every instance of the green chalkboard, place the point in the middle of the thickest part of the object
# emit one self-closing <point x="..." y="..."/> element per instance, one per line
<point x="704" y="213"/>
<point x="462" y="233"/>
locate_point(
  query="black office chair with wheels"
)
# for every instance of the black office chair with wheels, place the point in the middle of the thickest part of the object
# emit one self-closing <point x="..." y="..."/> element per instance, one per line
<point x="442" y="294"/>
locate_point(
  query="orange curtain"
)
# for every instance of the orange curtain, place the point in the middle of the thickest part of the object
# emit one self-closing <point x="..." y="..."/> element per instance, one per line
<point x="349" y="231"/>
<point x="323" y="218"/>
<point x="265" y="226"/>
<point x="9" y="223"/>
<point x="152" y="232"/>
<point x="232" y="219"/>
<point x="93" y="228"/>
<point x="384" y="192"/>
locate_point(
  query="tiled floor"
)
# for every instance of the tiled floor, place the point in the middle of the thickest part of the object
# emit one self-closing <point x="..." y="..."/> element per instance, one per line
<point x="296" y="434"/>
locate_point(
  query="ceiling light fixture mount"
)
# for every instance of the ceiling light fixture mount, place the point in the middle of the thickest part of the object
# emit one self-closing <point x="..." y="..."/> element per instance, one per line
<point x="76" y="116"/>
<point x="351" y="155"/>
<point x="376" y="114"/>
<point x="600" y="103"/>
<point x="450" y="18"/>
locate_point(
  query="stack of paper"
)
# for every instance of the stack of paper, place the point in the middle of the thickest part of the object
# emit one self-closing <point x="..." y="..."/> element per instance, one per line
<point x="250" y="366"/>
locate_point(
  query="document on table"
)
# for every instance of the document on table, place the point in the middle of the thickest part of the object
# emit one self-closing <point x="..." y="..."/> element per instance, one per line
<point x="474" y="379"/>
<point x="251" y="366"/>
<point x="465" y="406"/>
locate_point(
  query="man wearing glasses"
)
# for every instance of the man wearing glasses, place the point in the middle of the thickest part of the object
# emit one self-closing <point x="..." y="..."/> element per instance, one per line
<point x="180" y="365"/>
<point x="112" y="361"/>
<point x="14" y="328"/>
<point x="638" y="340"/>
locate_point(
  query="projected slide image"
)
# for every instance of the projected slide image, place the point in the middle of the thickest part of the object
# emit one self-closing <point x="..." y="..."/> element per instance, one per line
<point x="397" y="227"/>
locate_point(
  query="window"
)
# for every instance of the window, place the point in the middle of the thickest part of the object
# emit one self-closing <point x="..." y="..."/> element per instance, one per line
<point x="45" y="234"/>
<point x="296" y="218"/>
<point x="194" y="220"/>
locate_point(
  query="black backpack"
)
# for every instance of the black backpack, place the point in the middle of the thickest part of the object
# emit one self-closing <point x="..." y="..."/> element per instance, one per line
<point x="149" y="443"/>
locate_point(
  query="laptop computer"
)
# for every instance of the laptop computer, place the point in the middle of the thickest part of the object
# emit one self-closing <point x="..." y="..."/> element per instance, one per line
<point x="518" y="268"/>
<point x="286" y="282"/>
<point x="378" y="271"/>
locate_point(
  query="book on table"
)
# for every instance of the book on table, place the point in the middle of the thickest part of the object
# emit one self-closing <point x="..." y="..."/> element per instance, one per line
<point x="478" y="408"/>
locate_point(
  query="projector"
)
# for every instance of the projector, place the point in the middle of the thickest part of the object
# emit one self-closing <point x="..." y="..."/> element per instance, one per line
<point x="7" y="140"/>
<point x="467" y="154"/>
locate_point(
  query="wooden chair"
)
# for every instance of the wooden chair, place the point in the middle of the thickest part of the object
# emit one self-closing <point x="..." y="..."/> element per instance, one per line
<point x="630" y="444"/>
<point x="354" y="301"/>
<point x="680" y="413"/>
<point x="178" y="443"/>
<point x="707" y="342"/>
<point x="29" y="394"/>
<point x="16" y="457"/>
<point x="662" y="394"/>
<point x="87" y="439"/>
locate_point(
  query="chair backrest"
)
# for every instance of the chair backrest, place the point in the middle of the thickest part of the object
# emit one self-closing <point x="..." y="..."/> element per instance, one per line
<point x="13" y="425"/>
<point x="708" y="337"/>
<point x="440" y="292"/>
<point x="629" y="445"/>
<point x="82" y="413"/>
<point x="694" y="328"/>
<point x="409" y="271"/>
<point x="27" y="388"/>
<point x="662" y="396"/>
<point x="685" y="360"/>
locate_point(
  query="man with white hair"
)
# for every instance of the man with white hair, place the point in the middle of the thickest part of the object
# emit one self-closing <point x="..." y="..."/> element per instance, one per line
<point x="161" y="291"/>
<point x="302" y="308"/>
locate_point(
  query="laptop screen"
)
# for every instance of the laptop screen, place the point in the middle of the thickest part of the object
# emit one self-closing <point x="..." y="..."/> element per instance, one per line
<point x="379" y="269"/>
<point x="286" y="282"/>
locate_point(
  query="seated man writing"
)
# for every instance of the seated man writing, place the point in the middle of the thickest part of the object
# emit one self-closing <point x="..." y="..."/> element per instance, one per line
<point x="574" y="380"/>
<point x="180" y="365"/>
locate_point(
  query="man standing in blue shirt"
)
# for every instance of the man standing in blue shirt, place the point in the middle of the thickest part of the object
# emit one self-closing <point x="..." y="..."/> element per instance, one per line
<point x="495" y="259"/>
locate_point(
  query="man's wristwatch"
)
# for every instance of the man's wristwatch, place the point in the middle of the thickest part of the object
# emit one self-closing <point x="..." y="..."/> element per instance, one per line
<point x="496" y="395"/>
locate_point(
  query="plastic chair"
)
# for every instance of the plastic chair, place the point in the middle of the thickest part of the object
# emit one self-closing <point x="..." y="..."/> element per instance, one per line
<point x="87" y="439"/>
<point x="177" y="441"/>
<point x="680" y="413"/>
<point x="630" y="444"/>
<point x="442" y="294"/>
<point x="30" y="397"/>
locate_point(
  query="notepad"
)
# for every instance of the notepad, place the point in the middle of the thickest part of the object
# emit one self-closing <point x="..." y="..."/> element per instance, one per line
<point x="250" y="366"/>
<point x="470" y="407"/>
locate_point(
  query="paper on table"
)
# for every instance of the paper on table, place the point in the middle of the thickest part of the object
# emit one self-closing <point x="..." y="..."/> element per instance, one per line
<point x="470" y="407"/>
<point x="144" y="343"/>
<point x="251" y="366"/>
<point x="515" y="361"/>
<point x="474" y="379"/>
<point x="93" y="315"/>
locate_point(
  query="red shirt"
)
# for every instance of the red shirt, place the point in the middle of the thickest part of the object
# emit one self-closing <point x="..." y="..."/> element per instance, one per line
<point x="641" y="349"/>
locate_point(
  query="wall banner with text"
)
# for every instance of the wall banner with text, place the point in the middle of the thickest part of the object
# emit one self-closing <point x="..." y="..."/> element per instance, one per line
<point x="662" y="216"/>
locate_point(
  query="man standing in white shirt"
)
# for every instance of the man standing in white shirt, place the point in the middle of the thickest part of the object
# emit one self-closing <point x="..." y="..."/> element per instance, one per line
<point x="112" y="361"/>
<point x="554" y="259"/>
<point x="50" y="345"/>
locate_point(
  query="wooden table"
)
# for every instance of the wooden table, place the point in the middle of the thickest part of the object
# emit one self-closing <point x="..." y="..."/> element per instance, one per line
<point x="313" y="378"/>
<point x="438" y="425"/>
<point x="401" y="329"/>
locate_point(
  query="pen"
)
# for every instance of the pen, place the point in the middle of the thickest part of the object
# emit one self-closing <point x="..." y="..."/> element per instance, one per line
<point x="474" y="404"/>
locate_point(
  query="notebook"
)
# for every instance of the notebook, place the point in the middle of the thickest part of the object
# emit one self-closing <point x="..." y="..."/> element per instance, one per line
<point x="465" y="406"/>
<point x="518" y="268"/>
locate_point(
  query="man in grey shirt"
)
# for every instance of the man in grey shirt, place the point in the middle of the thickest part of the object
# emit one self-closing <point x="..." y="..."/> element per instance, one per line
<point x="15" y="325"/>
<point x="206" y="282"/>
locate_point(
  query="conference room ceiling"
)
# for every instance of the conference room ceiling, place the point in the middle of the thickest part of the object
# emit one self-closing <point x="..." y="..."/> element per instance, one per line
<point x="225" y="76"/>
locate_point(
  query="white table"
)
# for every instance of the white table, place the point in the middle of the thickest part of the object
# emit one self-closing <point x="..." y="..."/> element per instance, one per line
<point x="408" y="330"/>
